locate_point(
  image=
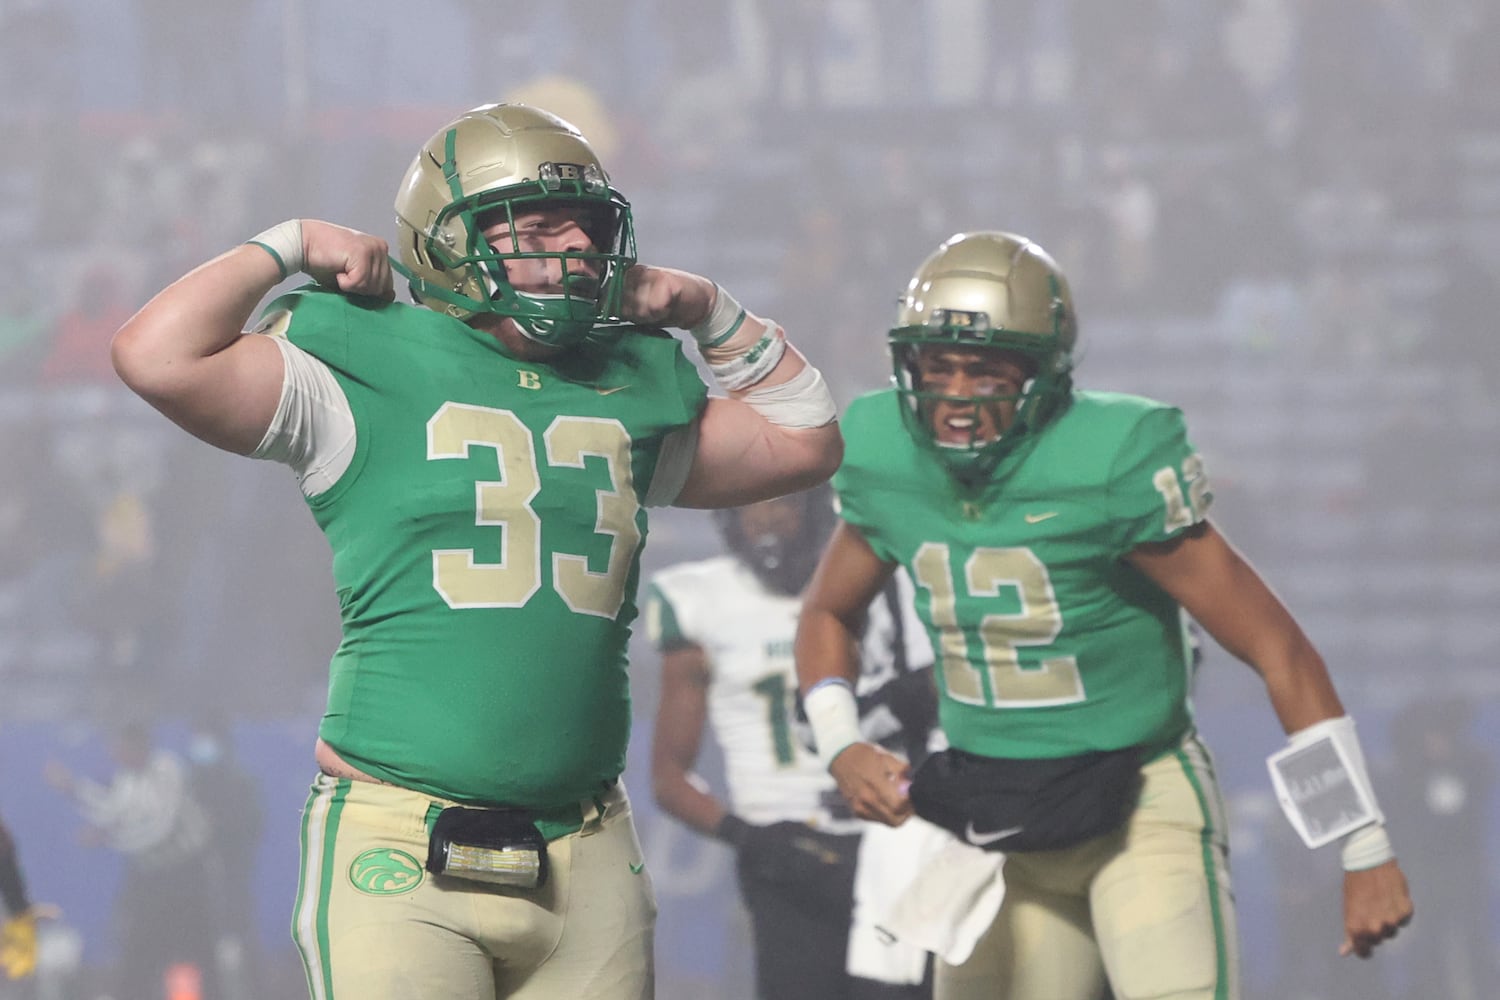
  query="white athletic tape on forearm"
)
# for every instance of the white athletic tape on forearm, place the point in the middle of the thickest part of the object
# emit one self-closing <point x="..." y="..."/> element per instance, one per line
<point x="1322" y="783"/>
<point x="739" y="354"/>
<point x="801" y="401"/>
<point x="833" y="715"/>
<point x="754" y="364"/>
<point x="284" y="244"/>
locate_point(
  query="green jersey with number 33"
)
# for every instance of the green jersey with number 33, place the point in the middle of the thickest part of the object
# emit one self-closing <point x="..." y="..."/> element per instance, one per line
<point x="1048" y="643"/>
<point x="486" y="541"/>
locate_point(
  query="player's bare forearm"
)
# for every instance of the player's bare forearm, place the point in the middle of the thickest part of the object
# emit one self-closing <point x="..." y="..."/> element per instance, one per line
<point x="824" y="648"/>
<point x="847" y="578"/>
<point x="680" y="797"/>
<point x="681" y="716"/>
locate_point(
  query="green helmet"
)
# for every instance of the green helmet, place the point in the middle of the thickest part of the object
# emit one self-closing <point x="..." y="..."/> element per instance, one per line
<point x="510" y="158"/>
<point x="986" y="289"/>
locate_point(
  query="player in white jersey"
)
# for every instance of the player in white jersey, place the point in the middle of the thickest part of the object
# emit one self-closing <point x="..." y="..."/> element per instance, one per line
<point x="725" y="627"/>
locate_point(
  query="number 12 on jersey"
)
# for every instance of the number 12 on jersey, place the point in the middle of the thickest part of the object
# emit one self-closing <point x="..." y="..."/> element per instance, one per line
<point x="983" y="666"/>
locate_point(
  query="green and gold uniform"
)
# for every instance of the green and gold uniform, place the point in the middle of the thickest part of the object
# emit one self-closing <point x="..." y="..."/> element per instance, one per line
<point x="486" y="539"/>
<point x="486" y="536"/>
<point x="1049" y="645"/>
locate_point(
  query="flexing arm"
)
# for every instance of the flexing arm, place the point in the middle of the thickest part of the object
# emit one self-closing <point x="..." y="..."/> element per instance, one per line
<point x="184" y="352"/>
<point x="681" y="716"/>
<point x="848" y="577"/>
<point x="1214" y="583"/>
<point x="775" y="433"/>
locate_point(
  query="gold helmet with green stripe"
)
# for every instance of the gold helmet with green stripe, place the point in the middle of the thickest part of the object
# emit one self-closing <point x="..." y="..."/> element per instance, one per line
<point x="493" y="163"/>
<point x="988" y="290"/>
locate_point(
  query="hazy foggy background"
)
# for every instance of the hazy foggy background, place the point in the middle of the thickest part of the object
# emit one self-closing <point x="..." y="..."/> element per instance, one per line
<point x="1283" y="216"/>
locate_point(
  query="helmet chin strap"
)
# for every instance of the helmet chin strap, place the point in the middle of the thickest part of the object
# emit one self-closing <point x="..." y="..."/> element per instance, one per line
<point x="540" y="330"/>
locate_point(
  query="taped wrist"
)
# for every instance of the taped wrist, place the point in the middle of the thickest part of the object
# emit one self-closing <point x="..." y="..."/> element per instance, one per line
<point x="801" y="401"/>
<point x="1369" y="847"/>
<point x="738" y="354"/>
<point x="284" y="243"/>
<point x="833" y="714"/>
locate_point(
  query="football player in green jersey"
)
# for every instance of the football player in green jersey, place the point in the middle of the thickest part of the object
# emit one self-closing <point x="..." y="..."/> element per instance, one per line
<point x="480" y="463"/>
<point x="1056" y="537"/>
<point x="17" y="915"/>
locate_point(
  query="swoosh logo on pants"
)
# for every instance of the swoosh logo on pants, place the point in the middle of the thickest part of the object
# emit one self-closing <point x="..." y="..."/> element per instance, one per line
<point x="978" y="839"/>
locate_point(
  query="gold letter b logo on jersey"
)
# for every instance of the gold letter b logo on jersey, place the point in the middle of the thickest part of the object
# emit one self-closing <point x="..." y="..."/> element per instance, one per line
<point x="385" y="871"/>
<point x="528" y="380"/>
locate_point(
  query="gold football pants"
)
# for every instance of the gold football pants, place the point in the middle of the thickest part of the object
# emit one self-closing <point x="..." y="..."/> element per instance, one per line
<point x="1148" y="905"/>
<point x="372" y="924"/>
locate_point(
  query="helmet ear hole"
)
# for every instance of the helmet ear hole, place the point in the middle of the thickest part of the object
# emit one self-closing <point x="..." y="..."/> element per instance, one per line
<point x="419" y="252"/>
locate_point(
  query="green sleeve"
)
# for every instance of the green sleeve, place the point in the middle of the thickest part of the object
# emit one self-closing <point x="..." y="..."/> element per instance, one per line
<point x="1157" y="485"/>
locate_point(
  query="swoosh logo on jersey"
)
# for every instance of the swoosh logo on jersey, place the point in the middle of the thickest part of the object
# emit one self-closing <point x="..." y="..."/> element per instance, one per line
<point x="1039" y="518"/>
<point x="611" y="390"/>
<point x="978" y="839"/>
<point x="636" y="867"/>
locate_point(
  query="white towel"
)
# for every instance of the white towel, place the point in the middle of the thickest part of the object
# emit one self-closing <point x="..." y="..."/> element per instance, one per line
<point x="951" y="901"/>
<point x="889" y="857"/>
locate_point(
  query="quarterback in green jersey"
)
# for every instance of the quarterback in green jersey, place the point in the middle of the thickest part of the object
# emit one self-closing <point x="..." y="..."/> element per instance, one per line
<point x="481" y="462"/>
<point x="1057" y="537"/>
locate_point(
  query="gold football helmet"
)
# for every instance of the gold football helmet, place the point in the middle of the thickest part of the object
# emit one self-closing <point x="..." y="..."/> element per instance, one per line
<point x="993" y="290"/>
<point x="510" y="158"/>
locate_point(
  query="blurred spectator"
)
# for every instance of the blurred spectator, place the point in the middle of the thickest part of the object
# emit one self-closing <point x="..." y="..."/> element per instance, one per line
<point x="1443" y="780"/>
<point x="794" y="40"/>
<point x="1459" y="337"/>
<point x="25" y="328"/>
<point x="1306" y="920"/>
<point x="36" y="37"/>
<point x="17" y="916"/>
<point x="1349" y="316"/>
<point x="231" y="801"/>
<point x="101" y="304"/>
<point x="1361" y="69"/>
<point x="195" y="61"/>
<point x="146" y="812"/>
<point x="1260" y="42"/>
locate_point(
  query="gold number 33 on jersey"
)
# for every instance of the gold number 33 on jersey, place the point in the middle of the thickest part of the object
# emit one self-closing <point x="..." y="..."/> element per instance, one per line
<point x="459" y="575"/>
